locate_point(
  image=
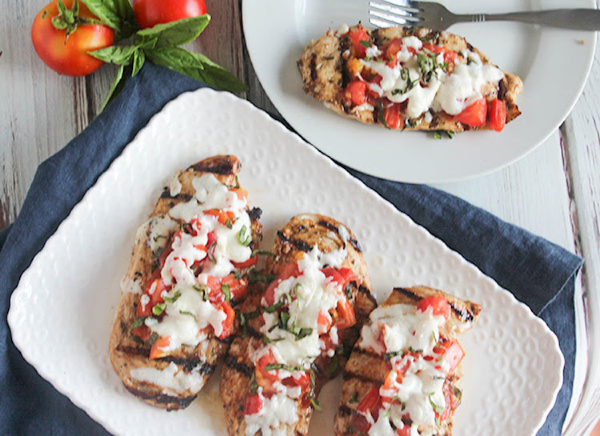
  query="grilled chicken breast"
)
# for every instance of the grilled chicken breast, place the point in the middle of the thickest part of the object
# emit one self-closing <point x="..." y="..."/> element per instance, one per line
<point x="401" y="376"/>
<point x="187" y="270"/>
<point x="409" y="79"/>
<point x="296" y="328"/>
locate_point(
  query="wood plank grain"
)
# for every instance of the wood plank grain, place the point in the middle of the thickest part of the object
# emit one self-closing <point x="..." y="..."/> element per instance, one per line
<point x="583" y="155"/>
<point x="39" y="112"/>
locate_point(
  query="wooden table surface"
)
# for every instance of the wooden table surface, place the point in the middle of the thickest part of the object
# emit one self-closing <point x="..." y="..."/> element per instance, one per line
<point x="553" y="192"/>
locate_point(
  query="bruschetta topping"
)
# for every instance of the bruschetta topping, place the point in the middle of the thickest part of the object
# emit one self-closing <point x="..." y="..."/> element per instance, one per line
<point x="414" y="76"/>
<point x="417" y="393"/>
<point x="197" y="266"/>
<point x="302" y="310"/>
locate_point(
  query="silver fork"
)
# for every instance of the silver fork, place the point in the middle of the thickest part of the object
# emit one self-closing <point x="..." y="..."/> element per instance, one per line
<point x="388" y="13"/>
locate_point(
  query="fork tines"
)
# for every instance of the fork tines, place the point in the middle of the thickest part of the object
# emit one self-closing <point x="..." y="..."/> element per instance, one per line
<point x="390" y="13"/>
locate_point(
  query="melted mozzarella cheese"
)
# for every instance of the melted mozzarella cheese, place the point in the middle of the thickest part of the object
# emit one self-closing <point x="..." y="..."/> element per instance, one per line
<point x="171" y="378"/>
<point x="451" y="93"/>
<point x="278" y="410"/>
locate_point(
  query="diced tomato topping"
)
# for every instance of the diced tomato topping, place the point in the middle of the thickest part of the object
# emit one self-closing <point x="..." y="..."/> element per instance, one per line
<point x="241" y="193"/>
<point x="223" y="217"/>
<point x="393" y="48"/>
<point x="216" y="293"/>
<point x="344" y="315"/>
<point x="253" y="404"/>
<point x="497" y="114"/>
<point x="357" y="92"/>
<point x="392" y="116"/>
<point x="341" y="276"/>
<point x="155" y="298"/>
<point x="361" y="425"/>
<point x="158" y="346"/>
<point x="452" y="402"/>
<point x="143" y="332"/>
<point x="438" y="304"/>
<point x="246" y="264"/>
<point x="449" y="56"/>
<point x="371" y="403"/>
<point x="324" y="322"/>
<point x="404" y="431"/>
<point x="228" y="322"/>
<point x="290" y="270"/>
<point x="301" y="379"/>
<point x="356" y="37"/>
<point x="451" y="352"/>
<point x="473" y="115"/>
<point x="264" y="377"/>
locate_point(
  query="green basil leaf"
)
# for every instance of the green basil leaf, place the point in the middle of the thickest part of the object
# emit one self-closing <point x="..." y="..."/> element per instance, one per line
<point x="117" y="85"/>
<point x="172" y="34"/>
<point x="138" y="60"/>
<point x="116" y="14"/>
<point x="120" y="55"/>
<point x="197" y="67"/>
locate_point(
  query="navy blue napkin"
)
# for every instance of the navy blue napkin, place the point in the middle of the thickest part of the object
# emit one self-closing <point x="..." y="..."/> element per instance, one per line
<point x="537" y="272"/>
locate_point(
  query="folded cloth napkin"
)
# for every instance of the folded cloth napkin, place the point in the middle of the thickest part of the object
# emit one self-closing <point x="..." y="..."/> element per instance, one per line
<point x="537" y="272"/>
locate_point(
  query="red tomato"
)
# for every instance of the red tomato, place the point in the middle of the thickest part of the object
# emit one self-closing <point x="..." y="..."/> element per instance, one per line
<point x="371" y="403"/>
<point x="64" y="55"/>
<point x="449" y="56"/>
<point x="473" y="115"/>
<point x="301" y="379"/>
<point x="155" y="298"/>
<point x="241" y="193"/>
<point x="149" y="13"/>
<point x="451" y="352"/>
<point x="157" y="347"/>
<point x="356" y="37"/>
<point x="246" y="264"/>
<point x="393" y="49"/>
<point x="290" y="270"/>
<point x="228" y="322"/>
<point x="264" y="377"/>
<point x="143" y="332"/>
<point x="392" y="117"/>
<point x="439" y="305"/>
<point x="253" y="404"/>
<point x="497" y="114"/>
<point x="404" y="431"/>
<point x="223" y="216"/>
<point x="344" y="315"/>
<point x="357" y="92"/>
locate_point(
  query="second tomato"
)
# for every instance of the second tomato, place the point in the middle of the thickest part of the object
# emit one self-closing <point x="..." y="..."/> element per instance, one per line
<point x="149" y="13"/>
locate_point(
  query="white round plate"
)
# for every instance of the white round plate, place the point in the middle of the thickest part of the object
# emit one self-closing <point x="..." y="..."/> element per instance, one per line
<point x="553" y="63"/>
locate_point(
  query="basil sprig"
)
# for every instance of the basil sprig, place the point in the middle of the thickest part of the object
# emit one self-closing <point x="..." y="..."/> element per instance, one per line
<point x="159" y="44"/>
<point x="116" y="14"/>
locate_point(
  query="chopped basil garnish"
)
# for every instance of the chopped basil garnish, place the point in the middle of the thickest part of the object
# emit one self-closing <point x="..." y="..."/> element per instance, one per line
<point x="226" y="290"/>
<point x="437" y="409"/>
<point x="366" y="44"/>
<point x="185" y="312"/>
<point x="276" y="366"/>
<point x="228" y="223"/>
<point x="138" y="322"/>
<point x="244" y="236"/>
<point x="314" y="402"/>
<point x="256" y="276"/>
<point x="333" y="365"/>
<point x="202" y="291"/>
<point x="211" y="252"/>
<point x="159" y="309"/>
<point x="265" y="252"/>
<point x="380" y="114"/>
<point x="174" y="298"/>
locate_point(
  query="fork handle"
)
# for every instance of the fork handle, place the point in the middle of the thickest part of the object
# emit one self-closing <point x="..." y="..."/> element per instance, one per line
<point x="577" y="19"/>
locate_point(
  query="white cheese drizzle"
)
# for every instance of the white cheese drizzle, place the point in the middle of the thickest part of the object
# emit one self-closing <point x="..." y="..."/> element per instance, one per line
<point x="451" y="93"/>
<point x="408" y="335"/>
<point x="313" y="293"/>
